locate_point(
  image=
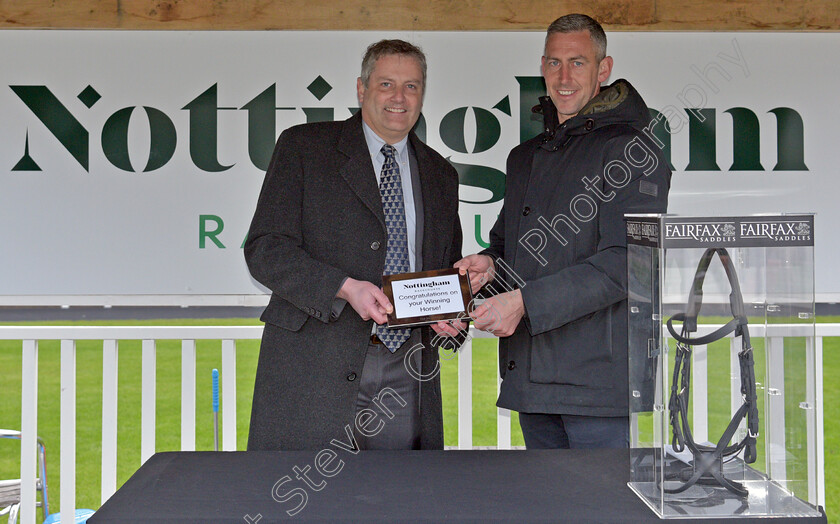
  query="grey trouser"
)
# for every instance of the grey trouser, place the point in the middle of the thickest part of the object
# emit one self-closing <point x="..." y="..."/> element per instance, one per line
<point x="388" y="405"/>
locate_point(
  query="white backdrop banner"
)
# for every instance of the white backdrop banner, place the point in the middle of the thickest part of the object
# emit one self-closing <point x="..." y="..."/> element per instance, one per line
<point x="131" y="161"/>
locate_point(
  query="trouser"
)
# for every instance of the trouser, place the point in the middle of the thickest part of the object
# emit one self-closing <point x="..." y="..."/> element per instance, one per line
<point x="388" y="404"/>
<point x="553" y="431"/>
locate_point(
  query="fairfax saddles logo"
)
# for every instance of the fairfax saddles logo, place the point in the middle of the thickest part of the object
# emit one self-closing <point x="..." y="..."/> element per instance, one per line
<point x="781" y="231"/>
<point x="717" y="232"/>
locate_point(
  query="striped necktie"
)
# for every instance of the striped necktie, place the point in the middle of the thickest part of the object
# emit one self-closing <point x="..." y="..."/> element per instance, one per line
<point x="396" y="254"/>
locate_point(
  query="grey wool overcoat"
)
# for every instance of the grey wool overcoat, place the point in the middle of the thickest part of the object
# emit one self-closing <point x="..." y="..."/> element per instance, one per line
<point x="318" y="220"/>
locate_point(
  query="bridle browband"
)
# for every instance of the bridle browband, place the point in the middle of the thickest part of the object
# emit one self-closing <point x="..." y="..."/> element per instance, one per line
<point x="708" y="460"/>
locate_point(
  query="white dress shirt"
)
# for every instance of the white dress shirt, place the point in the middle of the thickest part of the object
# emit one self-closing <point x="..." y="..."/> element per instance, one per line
<point x="375" y="144"/>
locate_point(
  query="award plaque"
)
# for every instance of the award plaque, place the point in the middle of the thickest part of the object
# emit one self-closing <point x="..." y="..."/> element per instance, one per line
<point x="426" y="297"/>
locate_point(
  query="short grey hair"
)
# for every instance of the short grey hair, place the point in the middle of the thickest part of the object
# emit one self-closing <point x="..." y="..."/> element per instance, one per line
<point x="577" y="22"/>
<point x="391" y="47"/>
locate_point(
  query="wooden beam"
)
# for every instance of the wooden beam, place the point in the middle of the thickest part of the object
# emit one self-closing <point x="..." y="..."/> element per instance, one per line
<point x="740" y="15"/>
<point x="411" y="15"/>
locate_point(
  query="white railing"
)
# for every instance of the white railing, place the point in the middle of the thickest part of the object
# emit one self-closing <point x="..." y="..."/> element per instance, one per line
<point x="149" y="335"/>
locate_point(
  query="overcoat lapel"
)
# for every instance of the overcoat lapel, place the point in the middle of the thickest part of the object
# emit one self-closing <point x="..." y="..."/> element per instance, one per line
<point x="358" y="171"/>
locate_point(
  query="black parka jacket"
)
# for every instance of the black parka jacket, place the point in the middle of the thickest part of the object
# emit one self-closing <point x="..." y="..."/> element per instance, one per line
<point x="561" y="236"/>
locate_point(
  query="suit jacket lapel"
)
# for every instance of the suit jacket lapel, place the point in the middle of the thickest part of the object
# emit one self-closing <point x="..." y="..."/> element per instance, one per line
<point x="358" y="171"/>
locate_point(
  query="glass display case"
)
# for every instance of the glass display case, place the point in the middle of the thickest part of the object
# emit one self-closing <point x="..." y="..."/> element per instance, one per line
<point x="722" y="372"/>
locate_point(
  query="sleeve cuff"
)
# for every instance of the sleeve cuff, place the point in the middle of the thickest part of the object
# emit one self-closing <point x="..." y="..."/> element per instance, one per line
<point x="338" y="304"/>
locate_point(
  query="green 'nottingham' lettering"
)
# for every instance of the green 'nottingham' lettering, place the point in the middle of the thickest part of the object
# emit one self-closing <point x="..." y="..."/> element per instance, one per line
<point x="204" y="125"/>
<point x="702" y="146"/>
<point x="115" y="139"/>
<point x="262" y="124"/>
<point x="262" y="121"/>
<point x="530" y="89"/>
<point x="487" y="126"/>
<point x="791" y="145"/>
<point x="58" y="120"/>
<point x="484" y="177"/>
<point x="746" y="149"/>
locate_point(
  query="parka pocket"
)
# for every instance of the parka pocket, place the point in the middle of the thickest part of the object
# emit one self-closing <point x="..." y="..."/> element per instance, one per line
<point x="579" y="353"/>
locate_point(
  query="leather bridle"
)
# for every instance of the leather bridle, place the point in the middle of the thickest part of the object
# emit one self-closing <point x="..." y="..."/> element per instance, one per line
<point x="708" y="460"/>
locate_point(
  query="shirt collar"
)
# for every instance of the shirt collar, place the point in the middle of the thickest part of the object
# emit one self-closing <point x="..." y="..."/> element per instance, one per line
<point x="375" y="143"/>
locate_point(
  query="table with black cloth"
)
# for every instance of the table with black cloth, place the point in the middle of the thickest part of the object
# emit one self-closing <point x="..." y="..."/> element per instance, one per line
<point x="384" y="486"/>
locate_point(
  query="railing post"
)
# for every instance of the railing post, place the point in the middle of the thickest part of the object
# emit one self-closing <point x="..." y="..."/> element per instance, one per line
<point x="28" y="430"/>
<point x="465" y="395"/>
<point x="818" y="363"/>
<point x="502" y="414"/>
<point x="68" y="431"/>
<point x="110" y="357"/>
<point x="147" y="401"/>
<point x="188" y="395"/>
<point x="228" y="395"/>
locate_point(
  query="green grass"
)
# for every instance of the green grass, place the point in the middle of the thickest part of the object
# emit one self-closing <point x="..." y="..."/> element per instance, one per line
<point x="89" y="403"/>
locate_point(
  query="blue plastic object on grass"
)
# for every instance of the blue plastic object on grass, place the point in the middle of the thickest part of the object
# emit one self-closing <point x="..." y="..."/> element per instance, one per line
<point x="215" y="391"/>
<point x="80" y="517"/>
<point x="215" y="409"/>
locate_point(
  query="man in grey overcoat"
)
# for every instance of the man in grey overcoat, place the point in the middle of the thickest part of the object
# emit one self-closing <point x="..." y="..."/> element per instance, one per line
<point x="320" y="240"/>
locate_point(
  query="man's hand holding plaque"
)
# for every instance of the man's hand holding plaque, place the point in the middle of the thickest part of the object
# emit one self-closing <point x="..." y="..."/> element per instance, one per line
<point x="366" y="299"/>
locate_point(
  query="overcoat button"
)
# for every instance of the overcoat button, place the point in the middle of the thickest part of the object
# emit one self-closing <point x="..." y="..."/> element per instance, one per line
<point x="526" y="211"/>
<point x="374" y="245"/>
<point x="351" y="377"/>
<point x="511" y="365"/>
<point x="589" y="124"/>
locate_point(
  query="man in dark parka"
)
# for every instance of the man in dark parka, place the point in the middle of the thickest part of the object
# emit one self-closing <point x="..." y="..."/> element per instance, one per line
<point x="558" y="251"/>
